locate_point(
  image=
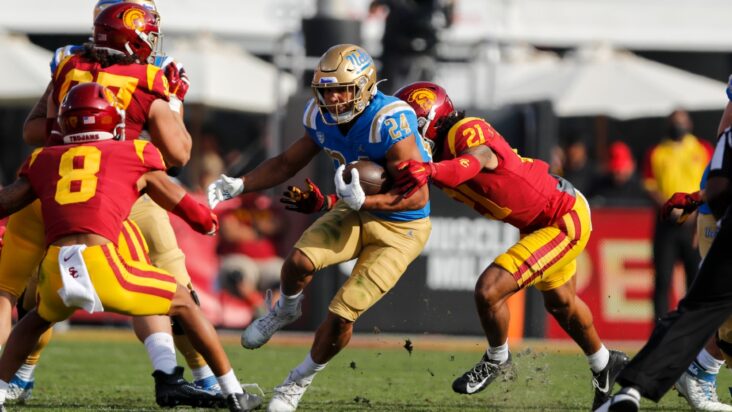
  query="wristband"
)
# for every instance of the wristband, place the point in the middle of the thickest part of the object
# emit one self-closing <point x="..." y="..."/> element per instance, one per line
<point x="195" y="214"/>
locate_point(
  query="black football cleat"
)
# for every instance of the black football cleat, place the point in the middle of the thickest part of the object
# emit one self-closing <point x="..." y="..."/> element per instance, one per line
<point x="604" y="380"/>
<point x="172" y="390"/>
<point x="242" y="402"/>
<point x="481" y="375"/>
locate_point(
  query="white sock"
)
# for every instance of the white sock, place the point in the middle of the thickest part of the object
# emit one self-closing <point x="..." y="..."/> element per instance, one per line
<point x="631" y="391"/>
<point x="288" y="304"/>
<point x="161" y="350"/>
<point x="599" y="359"/>
<point x="25" y="372"/>
<point x="201" y="373"/>
<point x="498" y="353"/>
<point x="709" y="362"/>
<point x="3" y="391"/>
<point x="305" y="371"/>
<point x="229" y="383"/>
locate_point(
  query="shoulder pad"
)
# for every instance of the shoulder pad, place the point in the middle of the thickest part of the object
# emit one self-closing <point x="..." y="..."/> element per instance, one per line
<point x="383" y="113"/>
<point x="310" y="114"/>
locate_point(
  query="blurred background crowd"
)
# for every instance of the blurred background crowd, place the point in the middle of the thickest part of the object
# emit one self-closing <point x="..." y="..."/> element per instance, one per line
<point x="614" y="100"/>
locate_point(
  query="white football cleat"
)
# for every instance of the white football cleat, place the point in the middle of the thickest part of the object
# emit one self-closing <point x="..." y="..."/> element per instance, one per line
<point x="262" y="329"/>
<point x="19" y="389"/>
<point x="700" y="391"/>
<point x="287" y="396"/>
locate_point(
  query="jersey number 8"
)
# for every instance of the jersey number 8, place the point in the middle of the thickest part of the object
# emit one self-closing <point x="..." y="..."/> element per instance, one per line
<point x="78" y="170"/>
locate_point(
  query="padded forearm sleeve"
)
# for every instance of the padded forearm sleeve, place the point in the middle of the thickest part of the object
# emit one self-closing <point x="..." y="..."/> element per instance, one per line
<point x="195" y="214"/>
<point x="452" y="173"/>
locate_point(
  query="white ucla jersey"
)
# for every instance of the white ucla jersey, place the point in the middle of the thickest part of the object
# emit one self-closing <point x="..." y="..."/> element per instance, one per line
<point x="384" y="122"/>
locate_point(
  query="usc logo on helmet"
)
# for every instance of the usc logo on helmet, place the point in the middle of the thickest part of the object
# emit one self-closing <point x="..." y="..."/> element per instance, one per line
<point x="425" y="98"/>
<point x="134" y="19"/>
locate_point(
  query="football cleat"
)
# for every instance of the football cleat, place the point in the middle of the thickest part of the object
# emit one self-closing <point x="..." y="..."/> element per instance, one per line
<point x="481" y="375"/>
<point x="172" y="390"/>
<point x="209" y="383"/>
<point x="240" y="402"/>
<point x="287" y="396"/>
<point x="604" y="380"/>
<point x="699" y="388"/>
<point x="19" y="389"/>
<point x="620" y="402"/>
<point x="262" y="329"/>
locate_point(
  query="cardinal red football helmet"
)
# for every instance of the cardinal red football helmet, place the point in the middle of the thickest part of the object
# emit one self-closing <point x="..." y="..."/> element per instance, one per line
<point x="431" y="103"/>
<point x="90" y="112"/>
<point x="130" y="29"/>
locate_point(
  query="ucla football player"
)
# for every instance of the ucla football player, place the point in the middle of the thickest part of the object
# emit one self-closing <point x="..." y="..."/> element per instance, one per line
<point x="348" y="119"/>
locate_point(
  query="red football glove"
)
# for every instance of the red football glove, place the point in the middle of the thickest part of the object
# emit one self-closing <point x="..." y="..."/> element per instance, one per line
<point x="411" y="175"/>
<point x="178" y="82"/>
<point x="310" y="201"/>
<point x="688" y="202"/>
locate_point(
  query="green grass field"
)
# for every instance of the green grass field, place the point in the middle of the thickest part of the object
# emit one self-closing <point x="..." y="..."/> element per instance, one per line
<point x="98" y="369"/>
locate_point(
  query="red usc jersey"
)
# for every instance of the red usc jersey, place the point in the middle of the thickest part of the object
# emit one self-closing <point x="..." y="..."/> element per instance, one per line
<point x="89" y="188"/>
<point x="136" y="87"/>
<point x="520" y="191"/>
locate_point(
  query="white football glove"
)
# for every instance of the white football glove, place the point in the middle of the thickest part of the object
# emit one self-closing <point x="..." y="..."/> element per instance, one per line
<point x="351" y="193"/>
<point x="224" y="188"/>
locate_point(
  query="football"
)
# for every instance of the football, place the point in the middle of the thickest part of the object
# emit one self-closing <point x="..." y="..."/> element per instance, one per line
<point x="372" y="176"/>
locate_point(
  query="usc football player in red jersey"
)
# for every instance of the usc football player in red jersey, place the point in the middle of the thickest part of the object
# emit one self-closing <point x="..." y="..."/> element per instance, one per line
<point x="86" y="187"/>
<point x="125" y="39"/>
<point x="473" y="164"/>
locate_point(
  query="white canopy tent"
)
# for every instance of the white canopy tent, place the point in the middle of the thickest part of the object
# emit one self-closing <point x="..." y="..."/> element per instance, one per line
<point x="485" y="82"/>
<point x="225" y="76"/>
<point x="27" y="73"/>
<point x="599" y="80"/>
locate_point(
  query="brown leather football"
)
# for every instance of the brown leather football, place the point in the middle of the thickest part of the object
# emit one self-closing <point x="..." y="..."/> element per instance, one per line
<point x="372" y="176"/>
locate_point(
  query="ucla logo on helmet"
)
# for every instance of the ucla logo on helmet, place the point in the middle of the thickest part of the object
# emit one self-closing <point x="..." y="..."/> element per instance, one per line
<point x="425" y="98"/>
<point x="359" y="59"/>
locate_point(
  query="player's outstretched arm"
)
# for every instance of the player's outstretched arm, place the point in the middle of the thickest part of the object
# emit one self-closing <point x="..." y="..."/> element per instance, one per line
<point x="412" y="174"/>
<point x="35" y="128"/>
<point x="269" y="173"/>
<point x="15" y="197"/>
<point x="174" y="198"/>
<point x="169" y="134"/>
<point x="403" y="150"/>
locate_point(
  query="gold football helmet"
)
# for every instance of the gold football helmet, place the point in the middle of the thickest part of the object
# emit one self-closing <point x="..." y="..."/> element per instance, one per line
<point x="344" y="66"/>
<point x="148" y="4"/>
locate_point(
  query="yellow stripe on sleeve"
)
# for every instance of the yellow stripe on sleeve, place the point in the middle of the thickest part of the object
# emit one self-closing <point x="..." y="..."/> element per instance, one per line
<point x="34" y="155"/>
